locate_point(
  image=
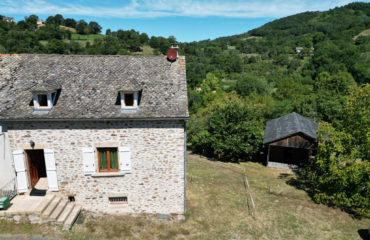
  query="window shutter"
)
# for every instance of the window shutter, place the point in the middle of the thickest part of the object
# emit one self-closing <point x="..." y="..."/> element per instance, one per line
<point x="51" y="170"/>
<point x="125" y="160"/>
<point x="136" y="99"/>
<point x="88" y="160"/>
<point x="20" y="169"/>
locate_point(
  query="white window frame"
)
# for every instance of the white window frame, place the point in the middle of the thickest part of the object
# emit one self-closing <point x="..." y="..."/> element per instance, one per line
<point x="136" y="98"/>
<point x="50" y="99"/>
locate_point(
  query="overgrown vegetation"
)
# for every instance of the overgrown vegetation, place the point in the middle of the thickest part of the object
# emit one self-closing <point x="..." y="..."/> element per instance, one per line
<point x="340" y="174"/>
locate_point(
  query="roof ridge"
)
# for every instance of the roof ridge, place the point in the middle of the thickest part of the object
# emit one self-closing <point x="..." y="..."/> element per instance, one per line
<point x="297" y="121"/>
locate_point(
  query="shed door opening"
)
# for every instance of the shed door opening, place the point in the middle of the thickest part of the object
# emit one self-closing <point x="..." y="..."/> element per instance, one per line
<point x="36" y="165"/>
<point x="296" y="156"/>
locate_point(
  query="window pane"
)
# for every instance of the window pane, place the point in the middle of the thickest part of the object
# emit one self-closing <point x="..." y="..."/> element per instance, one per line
<point x="103" y="159"/>
<point x="43" y="100"/>
<point x="113" y="158"/>
<point x="129" y="99"/>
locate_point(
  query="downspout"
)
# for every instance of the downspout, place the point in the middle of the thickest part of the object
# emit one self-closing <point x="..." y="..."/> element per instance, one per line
<point x="185" y="167"/>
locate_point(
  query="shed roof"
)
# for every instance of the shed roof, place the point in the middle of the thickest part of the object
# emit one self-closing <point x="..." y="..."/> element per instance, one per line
<point x="90" y="86"/>
<point x="288" y="125"/>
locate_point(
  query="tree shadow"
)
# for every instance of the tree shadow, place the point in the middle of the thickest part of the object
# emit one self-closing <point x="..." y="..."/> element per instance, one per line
<point x="298" y="180"/>
<point x="364" y="233"/>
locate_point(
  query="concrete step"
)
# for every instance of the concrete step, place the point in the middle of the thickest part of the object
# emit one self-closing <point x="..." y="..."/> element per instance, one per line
<point x="47" y="212"/>
<point x="44" y="204"/>
<point x="58" y="210"/>
<point x="72" y="218"/>
<point x="63" y="216"/>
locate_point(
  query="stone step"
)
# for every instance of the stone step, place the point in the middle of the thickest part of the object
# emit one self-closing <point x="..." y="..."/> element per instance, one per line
<point x="72" y="218"/>
<point x="63" y="216"/>
<point x="44" y="204"/>
<point x="45" y="214"/>
<point x="58" y="210"/>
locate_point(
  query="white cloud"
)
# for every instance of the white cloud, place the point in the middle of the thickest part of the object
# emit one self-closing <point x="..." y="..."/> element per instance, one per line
<point x="165" y="8"/>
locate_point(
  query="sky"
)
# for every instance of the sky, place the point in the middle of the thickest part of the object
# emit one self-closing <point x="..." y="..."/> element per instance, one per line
<point x="187" y="20"/>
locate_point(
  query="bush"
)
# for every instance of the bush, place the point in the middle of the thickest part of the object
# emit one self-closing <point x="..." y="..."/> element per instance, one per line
<point x="228" y="131"/>
<point x="339" y="175"/>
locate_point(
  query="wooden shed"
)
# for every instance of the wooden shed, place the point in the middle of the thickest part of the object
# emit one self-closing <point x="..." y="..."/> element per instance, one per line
<point x="290" y="140"/>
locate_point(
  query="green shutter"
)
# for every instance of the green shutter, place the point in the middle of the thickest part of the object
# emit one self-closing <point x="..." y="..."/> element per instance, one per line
<point x="113" y="159"/>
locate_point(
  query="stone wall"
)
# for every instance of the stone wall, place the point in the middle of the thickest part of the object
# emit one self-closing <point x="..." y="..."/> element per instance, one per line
<point x="156" y="184"/>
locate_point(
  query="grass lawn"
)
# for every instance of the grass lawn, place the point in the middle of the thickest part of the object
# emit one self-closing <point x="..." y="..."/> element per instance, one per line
<point x="219" y="208"/>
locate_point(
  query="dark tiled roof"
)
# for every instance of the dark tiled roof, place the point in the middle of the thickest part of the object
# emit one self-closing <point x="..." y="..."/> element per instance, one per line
<point x="90" y="85"/>
<point x="288" y="125"/>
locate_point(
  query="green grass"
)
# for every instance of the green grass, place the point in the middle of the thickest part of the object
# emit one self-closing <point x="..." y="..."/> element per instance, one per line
<point x="218" y="208"/>
<point x="91" y="37"/>
<point x="146" y="51"/>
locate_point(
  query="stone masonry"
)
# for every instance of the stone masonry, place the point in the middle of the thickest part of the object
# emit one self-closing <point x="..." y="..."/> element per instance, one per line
<point x="156" y="183"/>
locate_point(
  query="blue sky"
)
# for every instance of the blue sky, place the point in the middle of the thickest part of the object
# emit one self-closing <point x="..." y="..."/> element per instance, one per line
<point x="187" y="20"/>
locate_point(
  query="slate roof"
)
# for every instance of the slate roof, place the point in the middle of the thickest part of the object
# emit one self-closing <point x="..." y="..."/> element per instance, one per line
<point x="288" y="125"/>
<point x="90" y="85"/>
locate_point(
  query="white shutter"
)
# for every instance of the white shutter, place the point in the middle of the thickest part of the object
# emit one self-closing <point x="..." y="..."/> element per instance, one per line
<point x="124" y="160"/>
<point x="20" y="169"/>
<point x="136" y="99"/>
<point x="51" y="170"/>
<point x="88" y="160"/>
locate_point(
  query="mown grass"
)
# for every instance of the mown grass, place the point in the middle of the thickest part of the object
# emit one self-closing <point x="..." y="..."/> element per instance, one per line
<point x="219" y="208"/>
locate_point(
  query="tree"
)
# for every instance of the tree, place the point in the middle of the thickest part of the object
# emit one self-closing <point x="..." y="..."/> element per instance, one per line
<point x="144" y="38"/>
<point x="56" y="46"/>
<point x="229" y="130"/>
<point x="31" y="22"/>
<point x="95" y="28"/>
<point x="58" y="20"/>
<point x="70" y="22"/>
<point x="331" y="91"/>
<point x="339" y="175"/>
<point x="82" y="27"/>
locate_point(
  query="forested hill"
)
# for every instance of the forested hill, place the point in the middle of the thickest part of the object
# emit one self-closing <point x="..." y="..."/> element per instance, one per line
<point x="307" y="63"/>
<point x="332" y="30"/>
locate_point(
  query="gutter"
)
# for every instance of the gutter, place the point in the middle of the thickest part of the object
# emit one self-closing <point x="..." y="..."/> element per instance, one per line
<point x="92" y="119"/>
<point x="185" y="160"/>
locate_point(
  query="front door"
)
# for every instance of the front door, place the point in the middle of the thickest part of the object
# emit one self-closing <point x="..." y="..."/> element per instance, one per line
<point x="36" y="165"/>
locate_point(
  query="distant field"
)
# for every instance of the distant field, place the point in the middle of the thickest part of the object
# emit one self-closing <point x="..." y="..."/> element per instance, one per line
<point x="76" y="36"/>
<point x="219" y="208"/>
<point x="81" y="39"/>
<point x="363" y="33"/>
<point x="146" y="51"/>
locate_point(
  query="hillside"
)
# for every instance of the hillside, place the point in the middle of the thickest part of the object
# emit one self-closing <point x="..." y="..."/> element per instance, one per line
<point x="220" y="208"/>
<point x="316" y="64"/>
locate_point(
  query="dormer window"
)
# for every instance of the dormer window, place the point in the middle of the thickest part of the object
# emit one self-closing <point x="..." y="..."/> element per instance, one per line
<point x="43" y="102"/>
<point x="129" y="101"/>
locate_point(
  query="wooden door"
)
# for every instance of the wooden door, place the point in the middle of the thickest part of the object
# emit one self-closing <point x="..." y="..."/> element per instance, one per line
<point x="34" y="176"/>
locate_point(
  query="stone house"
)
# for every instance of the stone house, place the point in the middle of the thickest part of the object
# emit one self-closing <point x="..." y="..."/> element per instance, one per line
<point x="108" y="132"/>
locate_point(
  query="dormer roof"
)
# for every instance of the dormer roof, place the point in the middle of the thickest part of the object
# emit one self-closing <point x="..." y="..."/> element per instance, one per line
<point x="45" y="87"/>
<point x="90" y="86"/>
